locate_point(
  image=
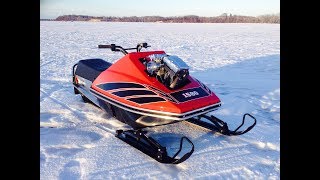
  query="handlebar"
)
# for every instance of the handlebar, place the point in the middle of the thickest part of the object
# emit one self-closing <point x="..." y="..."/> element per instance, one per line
<point x="104" y="46"/>
<point x="113" y="47"/>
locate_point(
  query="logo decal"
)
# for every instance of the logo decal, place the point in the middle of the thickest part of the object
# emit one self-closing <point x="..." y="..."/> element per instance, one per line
<point x="190" y="94"/>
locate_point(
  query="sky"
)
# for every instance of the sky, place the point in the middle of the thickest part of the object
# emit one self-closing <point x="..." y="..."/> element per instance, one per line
<point x="54" y="8"/>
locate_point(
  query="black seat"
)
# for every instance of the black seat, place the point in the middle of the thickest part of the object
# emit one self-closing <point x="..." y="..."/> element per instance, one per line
<point x="91" y="68"/>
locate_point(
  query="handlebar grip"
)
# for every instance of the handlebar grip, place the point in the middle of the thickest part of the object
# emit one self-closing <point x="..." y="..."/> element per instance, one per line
<point x="104" y="46"/>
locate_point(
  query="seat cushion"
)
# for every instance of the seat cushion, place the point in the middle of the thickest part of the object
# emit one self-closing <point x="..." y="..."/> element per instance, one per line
<point x="90" y="69"/>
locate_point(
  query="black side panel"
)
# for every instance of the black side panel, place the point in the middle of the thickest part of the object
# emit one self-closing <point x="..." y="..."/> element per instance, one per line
<point x="127" y="117"/>
<point x="122" y="115"/>
<point x="107" y="107"/>
<point x="91" y="68"/>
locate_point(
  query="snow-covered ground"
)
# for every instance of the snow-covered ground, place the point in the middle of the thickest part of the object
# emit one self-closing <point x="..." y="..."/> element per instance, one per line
<point x="239" y="62"/>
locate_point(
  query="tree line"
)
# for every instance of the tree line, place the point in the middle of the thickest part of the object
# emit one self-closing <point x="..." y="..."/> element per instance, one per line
<point x="223" y="18"/>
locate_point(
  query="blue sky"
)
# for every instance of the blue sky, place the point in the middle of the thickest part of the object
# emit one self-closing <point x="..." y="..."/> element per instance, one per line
<point x="55" y="8"/>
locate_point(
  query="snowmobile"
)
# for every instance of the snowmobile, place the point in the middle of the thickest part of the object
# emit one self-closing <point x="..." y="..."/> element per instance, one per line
<point x="148" y="89"/>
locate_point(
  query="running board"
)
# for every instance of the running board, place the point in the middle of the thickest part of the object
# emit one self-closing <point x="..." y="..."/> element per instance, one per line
<point x="149" y="146"/>
<point x="220" y="126"/>
<point x="87" y="94"/>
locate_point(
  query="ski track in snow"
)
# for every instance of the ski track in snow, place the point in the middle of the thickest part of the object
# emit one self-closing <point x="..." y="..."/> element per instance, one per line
<point x="239" y="62"/>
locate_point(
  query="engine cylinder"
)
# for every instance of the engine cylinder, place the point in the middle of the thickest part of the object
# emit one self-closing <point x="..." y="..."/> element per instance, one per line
<point x="169" y="70"/>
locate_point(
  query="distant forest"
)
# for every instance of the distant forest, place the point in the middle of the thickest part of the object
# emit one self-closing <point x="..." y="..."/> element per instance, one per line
<point x="223" y="18"/>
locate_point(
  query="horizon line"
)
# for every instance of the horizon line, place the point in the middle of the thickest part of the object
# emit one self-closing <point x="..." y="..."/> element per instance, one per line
<point x="278" y="13"/>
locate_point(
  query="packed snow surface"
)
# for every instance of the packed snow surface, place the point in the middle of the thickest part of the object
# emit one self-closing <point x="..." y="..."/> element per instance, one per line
<point x="239" y="62"/>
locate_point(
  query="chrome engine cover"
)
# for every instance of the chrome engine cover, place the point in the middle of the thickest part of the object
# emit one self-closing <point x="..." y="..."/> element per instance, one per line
<point x="175" y="63"/>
